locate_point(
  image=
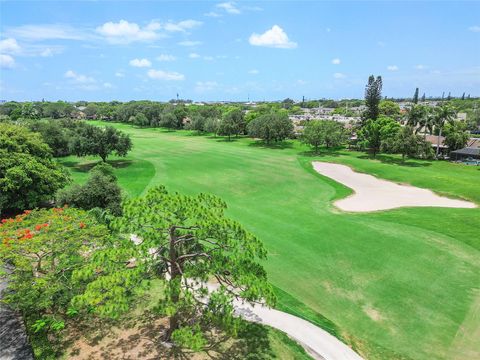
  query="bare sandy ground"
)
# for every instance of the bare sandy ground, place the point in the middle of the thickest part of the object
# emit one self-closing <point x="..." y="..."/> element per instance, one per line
<point x="372" y="194"/>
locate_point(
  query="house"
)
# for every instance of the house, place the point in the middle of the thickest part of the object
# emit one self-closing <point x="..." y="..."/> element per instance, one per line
<point x="473" y="143"/>
<point x="433" y="139"/>
<point x="465" y="153"/>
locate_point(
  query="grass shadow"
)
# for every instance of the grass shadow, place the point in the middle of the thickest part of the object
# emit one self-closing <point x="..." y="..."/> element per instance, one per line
<point x="227" y="140"/>
<point x="323" y="152"/>
<point x="275" y="145"/>
<point x="385" y="159"/>
<point x="86" y="167"/>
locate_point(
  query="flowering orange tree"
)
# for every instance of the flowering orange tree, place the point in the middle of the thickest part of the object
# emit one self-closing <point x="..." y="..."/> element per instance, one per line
<point x="39" y="251"/>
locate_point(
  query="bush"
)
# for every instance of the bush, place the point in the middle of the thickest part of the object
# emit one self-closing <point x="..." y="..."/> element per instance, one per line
<point x="100" y="191"/>
<point x="41" y="249"/>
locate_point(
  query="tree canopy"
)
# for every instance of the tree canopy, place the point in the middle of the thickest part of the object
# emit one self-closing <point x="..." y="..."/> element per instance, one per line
<point x="28" y="174"/>
<point x="183" y="241"/>
<point x="373" y="95"/>
<point x="93" y="140"/>
<point x="39" y="252"/>
<point x="100" y="191"/>
<point x="376" y="132"/>
<point x="328" y="133"/>
<point x="275" y="126"/>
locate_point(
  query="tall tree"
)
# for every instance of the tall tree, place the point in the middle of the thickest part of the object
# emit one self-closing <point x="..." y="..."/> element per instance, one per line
<point x="183" y="241"/>
<point x="456" y="135"/>
<point x="406" y="142"/>
<point x="232" y="123"/>
<point x="463" y="96"/>
<point x="443" y="114"/>
<point x="376" y="132"/>
<point x="373" y="95"/>
<point x="417" y="116"/>
<point x="423" y="98"/>
<point x="93" y="140"/>
<point x="415" y="96"/>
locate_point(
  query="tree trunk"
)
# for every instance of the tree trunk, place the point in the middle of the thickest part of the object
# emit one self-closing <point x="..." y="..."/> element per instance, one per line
<point x="175" y="279"/>
<point x="438" y="143"/>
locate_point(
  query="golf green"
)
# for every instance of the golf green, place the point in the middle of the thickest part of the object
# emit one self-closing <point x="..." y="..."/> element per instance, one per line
<point x="403" y="283"/>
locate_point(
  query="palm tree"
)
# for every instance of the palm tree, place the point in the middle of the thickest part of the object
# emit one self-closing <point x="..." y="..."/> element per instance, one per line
<point x="416" y="116"/>
<point x="427" y="122"/>
<point x="443" y="114"/>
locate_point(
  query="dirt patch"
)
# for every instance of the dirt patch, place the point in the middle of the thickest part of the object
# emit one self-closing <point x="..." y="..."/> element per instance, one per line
<point x="372" y="313"/>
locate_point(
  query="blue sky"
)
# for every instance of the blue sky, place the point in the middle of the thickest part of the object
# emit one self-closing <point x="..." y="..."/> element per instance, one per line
<point x="206" y="50"/>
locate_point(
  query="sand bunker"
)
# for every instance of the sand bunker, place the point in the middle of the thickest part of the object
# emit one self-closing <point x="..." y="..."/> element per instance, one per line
<point x="372" y="194"/>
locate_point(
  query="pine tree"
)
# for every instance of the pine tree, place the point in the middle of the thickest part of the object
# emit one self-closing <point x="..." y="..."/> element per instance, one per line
<point x="463" y="96"/>
<point x="415" y="96"/>
<point x="423" y="97"/>
<point x="373" y="95"/>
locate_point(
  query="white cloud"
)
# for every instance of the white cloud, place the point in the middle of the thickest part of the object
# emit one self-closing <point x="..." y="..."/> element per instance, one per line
<point x="7" y="61"/>
<point x="193" y="56"/>
<point x="165" y="75"/>
<point x="275" y="37"/>
<point x="119" y="74"/>
<point x="189" y="43"/>
<point x="381" y="44"/>
<point x="140" y="63"/>
<point x="421" y="67"/>
<point x="301" y="82"/>
<point x="338" y="75"/>
<point x="253" y="72"/>
<point x="212" y="14"/>
<point x="124" y="32"/>
<point x="46" y="53"/>
<point x="336" y="61"/>
<point x="474" y="28"/>
<point x="78" y="78"/>
<point x="165" y="57"/>
<point x="9" y="46"/>
<point x="230" y="7"/>
<point x="46" y="32"/>
<point x="328" y="30"/>
<point x="392" y="68"/>
<point x="181" y="26"/>
<point x="203" y="86"/>
<point x="208" y="58"/>
<point x="107" y="85"/>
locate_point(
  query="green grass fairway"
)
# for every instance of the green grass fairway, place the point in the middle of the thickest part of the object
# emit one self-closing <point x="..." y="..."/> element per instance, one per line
<point x="393" y="284"/>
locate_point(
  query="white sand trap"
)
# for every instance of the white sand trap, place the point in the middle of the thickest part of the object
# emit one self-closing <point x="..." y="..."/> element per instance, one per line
<point x="372" y="194"/>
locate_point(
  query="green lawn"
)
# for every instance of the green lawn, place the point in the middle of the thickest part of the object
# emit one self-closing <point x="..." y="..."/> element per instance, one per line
<point x="394" y="284"/>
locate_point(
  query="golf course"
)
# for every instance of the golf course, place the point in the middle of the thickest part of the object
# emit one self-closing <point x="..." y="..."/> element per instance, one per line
<point x="396" y="284"/>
